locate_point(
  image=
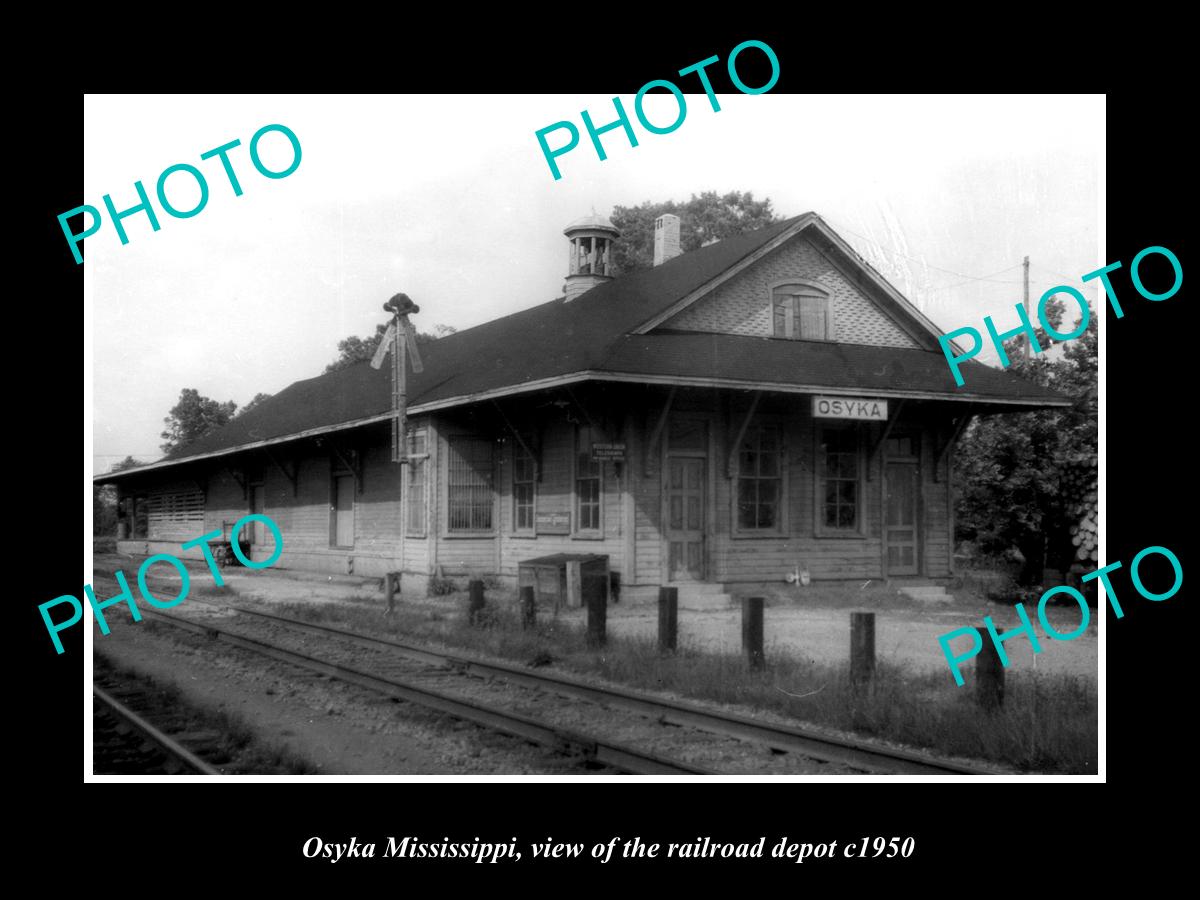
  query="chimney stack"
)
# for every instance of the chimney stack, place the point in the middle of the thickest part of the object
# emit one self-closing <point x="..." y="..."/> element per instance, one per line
<point x="666" y="238"/>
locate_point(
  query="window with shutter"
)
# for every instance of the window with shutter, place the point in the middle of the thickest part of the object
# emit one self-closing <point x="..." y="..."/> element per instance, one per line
<point x="801" y="312"/>
<point x="418" y="449"/>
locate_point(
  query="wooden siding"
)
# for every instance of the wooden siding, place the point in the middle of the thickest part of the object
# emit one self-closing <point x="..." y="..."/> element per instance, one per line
<point x="555" y="494"/>
<point x="632" y="497"/>
<point x="743" y="304"/>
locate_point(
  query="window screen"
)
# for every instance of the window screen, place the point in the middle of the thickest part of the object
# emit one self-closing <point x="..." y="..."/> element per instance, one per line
<point x="469" y="480"/>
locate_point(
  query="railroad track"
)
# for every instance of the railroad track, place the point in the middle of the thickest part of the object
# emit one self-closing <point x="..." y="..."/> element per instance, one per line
<point x="855" y="755"/>
<point x="600" y="750"/>
<point x="122" y="740"/>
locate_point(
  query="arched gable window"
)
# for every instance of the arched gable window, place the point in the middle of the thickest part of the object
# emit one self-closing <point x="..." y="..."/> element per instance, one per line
<point x="801" y="311"/>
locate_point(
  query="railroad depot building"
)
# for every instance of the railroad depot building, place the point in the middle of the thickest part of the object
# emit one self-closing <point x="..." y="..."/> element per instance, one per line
<point x="759" y="407"/>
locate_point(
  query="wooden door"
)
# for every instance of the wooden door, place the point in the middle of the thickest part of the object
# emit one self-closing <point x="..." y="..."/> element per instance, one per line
<point x="344" y="511"/>
<point x="900" y="518"/>
<point x="685" y="518"/>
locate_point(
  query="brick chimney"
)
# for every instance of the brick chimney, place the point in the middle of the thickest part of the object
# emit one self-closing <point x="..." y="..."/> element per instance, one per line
<point x="666" y="238"/>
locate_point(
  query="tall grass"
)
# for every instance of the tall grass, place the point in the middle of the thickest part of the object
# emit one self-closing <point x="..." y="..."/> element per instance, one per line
<point x="1048" y="722"/>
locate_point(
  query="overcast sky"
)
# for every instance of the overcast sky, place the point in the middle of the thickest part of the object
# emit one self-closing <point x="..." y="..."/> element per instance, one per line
<point x="448" y="199"/>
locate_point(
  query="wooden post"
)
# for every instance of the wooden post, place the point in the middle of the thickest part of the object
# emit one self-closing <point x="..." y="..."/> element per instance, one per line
<point x="390" y="584"/>
<point x="597" y="619"/>
<point x="528" y="608"/>
<point x="989" y="674"/>
<point x="752" y="631"/>
<point x="862" y="648"/>
<point x="668" y="619"/>
<point x="574" y="585"/>
<point x="475" y="603"/>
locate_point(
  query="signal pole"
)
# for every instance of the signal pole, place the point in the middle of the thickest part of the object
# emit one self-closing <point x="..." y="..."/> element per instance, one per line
<point x="1027" y="341"/>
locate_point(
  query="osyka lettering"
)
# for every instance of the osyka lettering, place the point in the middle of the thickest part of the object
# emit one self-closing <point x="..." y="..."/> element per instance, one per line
<point x="314" y="847"/>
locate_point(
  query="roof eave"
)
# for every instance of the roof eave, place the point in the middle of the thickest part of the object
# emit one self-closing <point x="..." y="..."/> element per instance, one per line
<point x="1016" y="403"/>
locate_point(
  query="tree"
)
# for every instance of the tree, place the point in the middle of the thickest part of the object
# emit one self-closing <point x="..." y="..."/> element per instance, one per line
<point x="1029" y="481"/>
<point x="104" y="502"/>
<point x="193" y="417"/>
<point x="258" y="398"/>
<point x="357" y="349"/>
<point x="703" y="219"/>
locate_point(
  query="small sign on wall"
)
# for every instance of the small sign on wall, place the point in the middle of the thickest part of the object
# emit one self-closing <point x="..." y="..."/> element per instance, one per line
<point x="553" y="523"/>
<point x="849" y="408"/>
<point x="613" y="452"/>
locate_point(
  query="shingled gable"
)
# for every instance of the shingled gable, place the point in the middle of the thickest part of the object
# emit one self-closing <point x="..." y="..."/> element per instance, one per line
<point x="608" y="334"/>
<point x="874" y="286"/>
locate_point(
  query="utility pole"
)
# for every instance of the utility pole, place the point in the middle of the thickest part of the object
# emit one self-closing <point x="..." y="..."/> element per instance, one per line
<point x="399" y="338"/>
<point x="1027" y="341"/>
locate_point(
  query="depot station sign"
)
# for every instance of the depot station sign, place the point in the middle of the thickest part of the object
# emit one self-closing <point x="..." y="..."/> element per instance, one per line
<point x="865" y="409"/>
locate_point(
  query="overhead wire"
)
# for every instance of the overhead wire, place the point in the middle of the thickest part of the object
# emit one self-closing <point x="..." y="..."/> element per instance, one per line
<point x="939" y="268"/>
<point x="963" y="275"/>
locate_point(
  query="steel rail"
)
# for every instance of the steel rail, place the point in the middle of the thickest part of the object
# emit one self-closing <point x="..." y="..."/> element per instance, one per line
<point x="169" y="746"/>
<point x="600" y="749"/>
<point x="781" y="737"/>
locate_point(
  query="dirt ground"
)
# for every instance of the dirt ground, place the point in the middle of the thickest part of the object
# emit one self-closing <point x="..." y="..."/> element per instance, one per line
<point x="908" y="637"/>
<point x="338" y="729"/>
<point x="905" y="631"/>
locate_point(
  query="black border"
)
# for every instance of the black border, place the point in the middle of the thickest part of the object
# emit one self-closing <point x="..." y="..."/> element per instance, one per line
<point x="1149" y="418"/>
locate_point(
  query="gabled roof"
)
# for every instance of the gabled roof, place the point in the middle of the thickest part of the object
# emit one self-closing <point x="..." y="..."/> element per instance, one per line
<point x="600" y="335"/>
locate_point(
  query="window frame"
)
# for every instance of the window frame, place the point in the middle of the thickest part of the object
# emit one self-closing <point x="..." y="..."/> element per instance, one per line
<point x="409" y="530"/>
<point x="820" y="529"/>
<point x="782" y="515"/>
<point x="449" y="531"/>
<point x="519" y="454"/>
<point x="808" y="288"/>
<point x="578" y="532"/>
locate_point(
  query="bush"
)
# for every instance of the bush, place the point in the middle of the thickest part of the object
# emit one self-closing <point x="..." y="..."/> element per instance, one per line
<point x="1003" y="589"/>
<point x="440" y="587"/>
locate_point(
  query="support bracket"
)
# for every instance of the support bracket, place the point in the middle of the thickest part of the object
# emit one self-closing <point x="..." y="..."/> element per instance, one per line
<point x="290" y="476"/>
<point x="732" y="463"/>
<point x="537" y="456"/>
<point x="656" y="433"/>
<point x="883" y="436"/>
<point x="241" y="480"/>
<point x="352" y="460"/>
<point x="960" y="425"/>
